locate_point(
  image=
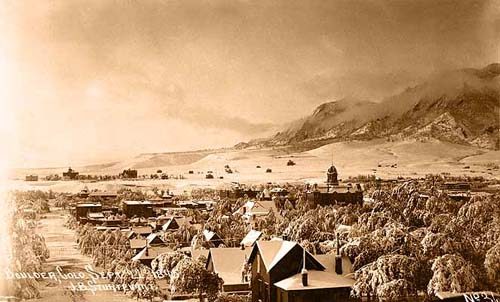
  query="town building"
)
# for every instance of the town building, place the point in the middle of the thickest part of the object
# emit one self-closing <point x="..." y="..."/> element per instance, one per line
<point x="95" y="218"/>
<point x="102" y="195"/>
<point x="332" y="192"/>
<point x="133" y="208"/>
<point x="70" y="174"/>
<point x="138" y="244"/>
<point x="139" y="232"/>
<point x="82" y="209"/>
<point x="459" y="191"/>
<point x="238" y="191"/>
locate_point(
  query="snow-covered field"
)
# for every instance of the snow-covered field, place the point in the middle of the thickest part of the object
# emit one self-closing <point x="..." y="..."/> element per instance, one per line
<point x="378" y="157"/>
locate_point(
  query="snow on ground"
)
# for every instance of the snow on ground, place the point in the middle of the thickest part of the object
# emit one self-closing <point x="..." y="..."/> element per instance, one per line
<point x="377" y="157"/>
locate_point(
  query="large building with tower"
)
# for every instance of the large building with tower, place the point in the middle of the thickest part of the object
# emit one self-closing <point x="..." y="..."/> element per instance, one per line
<point x="332" y="192"/>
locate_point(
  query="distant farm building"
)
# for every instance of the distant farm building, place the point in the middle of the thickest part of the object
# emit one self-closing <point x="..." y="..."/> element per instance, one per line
<point x="129" y="173"/>
<point x="70" y="174"/>
<point x="333" y="192"/>
<point x="31" y="178"/>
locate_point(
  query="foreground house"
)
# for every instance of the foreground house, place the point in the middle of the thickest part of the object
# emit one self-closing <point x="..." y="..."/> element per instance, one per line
<point x="284" y="271"/>
<point x="332" y="284"/>
<point x="231" y="266"/>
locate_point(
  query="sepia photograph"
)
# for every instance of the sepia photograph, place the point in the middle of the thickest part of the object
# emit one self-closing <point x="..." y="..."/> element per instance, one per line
<point x="250" y="150"/>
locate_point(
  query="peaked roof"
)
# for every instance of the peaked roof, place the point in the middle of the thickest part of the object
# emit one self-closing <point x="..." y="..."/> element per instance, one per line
<point x="228" y="263"/>
<point x="263" y="207"/>
<point x="251" y="237"/>
<point x="137" y="243"/>
<point x="272" y="252"/>
<point x="328" y="261"/>
<point x="152" y="252"/>
<point x="209" y="235"/>
<point x="153" y="238"/>
<point x="171" y="224"/>
<point x="142" y="230"/>
<point x="316" y="280"/>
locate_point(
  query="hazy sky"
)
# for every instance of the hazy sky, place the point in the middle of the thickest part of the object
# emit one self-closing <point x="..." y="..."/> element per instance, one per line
<point x="92" y="81"/>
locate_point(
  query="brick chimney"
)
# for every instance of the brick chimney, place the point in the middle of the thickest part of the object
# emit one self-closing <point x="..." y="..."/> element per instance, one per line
<point x="304" y="277"/>
<point x="338" y="258"/>
<point x="304" y="270"/>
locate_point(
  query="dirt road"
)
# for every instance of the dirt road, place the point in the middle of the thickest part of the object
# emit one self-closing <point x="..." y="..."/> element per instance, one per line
<point x="65" y="255"/>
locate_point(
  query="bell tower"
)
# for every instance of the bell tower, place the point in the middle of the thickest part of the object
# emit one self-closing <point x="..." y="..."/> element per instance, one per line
<point x="331" y="176"/>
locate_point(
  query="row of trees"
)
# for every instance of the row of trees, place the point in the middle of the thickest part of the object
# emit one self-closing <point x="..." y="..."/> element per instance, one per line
<point x="405" y="244"/>
<point x="402" y="244"/>
<point x="184" y="275"/>
<point x="28" y="249"/>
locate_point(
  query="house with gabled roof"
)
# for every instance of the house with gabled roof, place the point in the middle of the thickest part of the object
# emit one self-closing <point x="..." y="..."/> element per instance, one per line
<point x="147" y="254"/>
<point x="175" y="222"/>
<point x="332" y="284"/>
<point x="170" y="225"/>
<point x="139" y="231"/>
<point x="212" y="238"/>
<point x="152" y="239"/>
<point x="283" y="271"/>
<point x="252" y="210"/>
<point x="232" y="267"/>
<point x="250" y="238"/>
